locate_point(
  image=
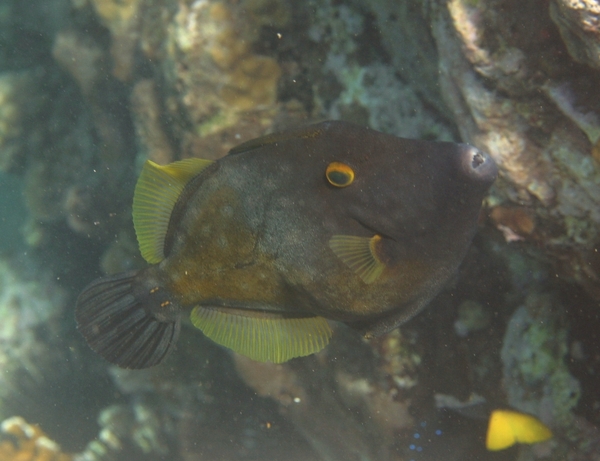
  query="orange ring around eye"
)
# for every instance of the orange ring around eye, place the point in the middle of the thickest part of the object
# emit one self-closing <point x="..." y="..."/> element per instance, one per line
<point x="339" y="174"/>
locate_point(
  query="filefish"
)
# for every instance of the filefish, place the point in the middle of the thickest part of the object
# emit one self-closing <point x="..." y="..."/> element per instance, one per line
<point x="332" y="221"/>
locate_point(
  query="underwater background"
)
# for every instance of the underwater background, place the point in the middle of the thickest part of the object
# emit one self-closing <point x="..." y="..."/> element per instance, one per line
<point x="90" y="89"/>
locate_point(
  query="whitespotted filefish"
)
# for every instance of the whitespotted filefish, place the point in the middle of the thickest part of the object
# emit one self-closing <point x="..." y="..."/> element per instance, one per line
<point x="329" y="222"/>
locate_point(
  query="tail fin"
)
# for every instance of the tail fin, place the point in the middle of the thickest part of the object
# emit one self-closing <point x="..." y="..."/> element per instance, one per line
<point x="117" y="322"/>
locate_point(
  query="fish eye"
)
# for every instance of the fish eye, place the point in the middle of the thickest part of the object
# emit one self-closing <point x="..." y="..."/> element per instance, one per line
<point x="339" y="174"/>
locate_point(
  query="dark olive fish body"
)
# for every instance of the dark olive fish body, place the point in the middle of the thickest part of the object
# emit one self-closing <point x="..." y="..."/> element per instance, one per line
<point x="333" y="221"/>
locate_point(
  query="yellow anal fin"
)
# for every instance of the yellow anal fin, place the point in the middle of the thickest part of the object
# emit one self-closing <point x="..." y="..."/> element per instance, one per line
<point x="156" y="193"/>
<point x="262" y="337"/>
<point x="508" y="427"/>
<point x="359" y="253"/>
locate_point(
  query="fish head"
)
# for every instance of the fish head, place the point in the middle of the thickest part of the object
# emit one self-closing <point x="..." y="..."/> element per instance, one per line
<point x="358" y="223"/>
<point x="400" y="188"/>
<point x="399" y="213"/>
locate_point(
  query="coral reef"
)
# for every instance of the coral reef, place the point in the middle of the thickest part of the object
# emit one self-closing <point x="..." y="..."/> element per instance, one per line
<point x="19" y="102"/>
<point x="200" y="412"/>
<point x="346" y="411"/>
<point x="534" y="352"/>
<point x="20" y="441"/>
<point x="44" y="377"/>
<point x="27" y="304"/>
<point x="153" y="142"/>
<point x="121" y="19"/>
<point x="48" y="138"/>
<point x="12" y="205"/>
<point x="537" y="379"/>
<point x="521" y="97"/>
<point x="96" y="87"/>
<point x="369" y="93"/>
<point x="127" y="433"/>
<point x="216" y="80"/>
<point x="472" y="316"/>
<point x="579" y="26"/>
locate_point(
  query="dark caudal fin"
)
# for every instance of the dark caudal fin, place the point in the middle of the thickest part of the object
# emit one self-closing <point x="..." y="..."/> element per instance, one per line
<point x="117" y="322"/>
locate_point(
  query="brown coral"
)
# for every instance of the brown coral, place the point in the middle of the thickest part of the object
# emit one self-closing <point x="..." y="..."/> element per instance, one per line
<point x="121" y="18"/>
<point x="516" y="223"/>
<point x="21" y="441"/>
<point x="212" y="66"/>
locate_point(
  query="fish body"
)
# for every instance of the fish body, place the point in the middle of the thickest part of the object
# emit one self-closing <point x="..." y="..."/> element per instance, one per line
<point x="332" y="221"/>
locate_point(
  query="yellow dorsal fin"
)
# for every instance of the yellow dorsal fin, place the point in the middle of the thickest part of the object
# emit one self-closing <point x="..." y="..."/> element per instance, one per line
<point x="156" y="193"/>
<point x="359" y="253"/>
<point x="508" y="427"/>
<point x="263" y="337"/>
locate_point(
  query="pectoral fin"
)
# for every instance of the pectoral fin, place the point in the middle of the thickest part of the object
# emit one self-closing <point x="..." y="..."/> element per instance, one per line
<point x="262" y="336"/>
<point x="156" y="193"/>
<point x="360" y="254"/>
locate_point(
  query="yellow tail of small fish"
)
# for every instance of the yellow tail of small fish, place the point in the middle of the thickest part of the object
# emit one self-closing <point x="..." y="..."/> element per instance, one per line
<point x="508" y="427"/>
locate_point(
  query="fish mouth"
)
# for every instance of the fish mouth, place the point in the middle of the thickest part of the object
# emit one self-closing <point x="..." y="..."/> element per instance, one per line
<point x="476" y="165"/>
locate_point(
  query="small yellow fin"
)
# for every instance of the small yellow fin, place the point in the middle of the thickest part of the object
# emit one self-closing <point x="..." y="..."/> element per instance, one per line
<point x="508" y="427"/>
<point x="156" y="193"/>
<point x="265" y="338"/>
<point x="359" y="254"/>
